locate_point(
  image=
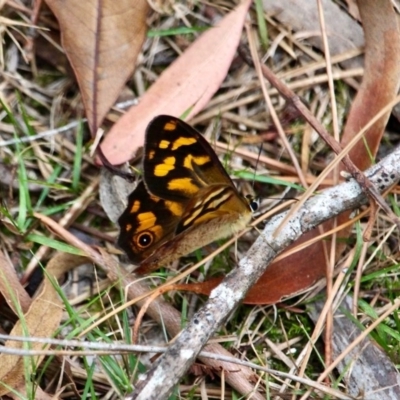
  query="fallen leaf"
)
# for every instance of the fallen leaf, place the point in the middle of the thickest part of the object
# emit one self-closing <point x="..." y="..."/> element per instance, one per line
<point x="10" y="287"/>
<point x="188" y="83"/>
<point x="102" y="40"/>
<point x="41" y="320"/>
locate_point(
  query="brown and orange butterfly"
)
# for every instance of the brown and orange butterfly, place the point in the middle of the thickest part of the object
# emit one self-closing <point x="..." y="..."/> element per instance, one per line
<point x="185" y="201"/>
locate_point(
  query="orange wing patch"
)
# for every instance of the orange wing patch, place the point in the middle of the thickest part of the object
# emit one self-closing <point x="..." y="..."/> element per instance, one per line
<point x="200" y="160"/>
<point x="184" y="185"/>
<point x="170" y="126"/>
<point x="164" y="144"/>
<point x="135" y="207"/>
<point x="174" y="207"/>
<point x="164" y="168"/>
<point x="183" y="141"/>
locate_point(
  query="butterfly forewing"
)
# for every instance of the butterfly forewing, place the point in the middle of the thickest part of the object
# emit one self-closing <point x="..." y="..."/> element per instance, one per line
<point x="178" y="160"/>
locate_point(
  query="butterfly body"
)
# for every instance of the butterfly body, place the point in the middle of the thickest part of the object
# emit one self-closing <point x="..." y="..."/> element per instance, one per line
<point x="186" y="199"/>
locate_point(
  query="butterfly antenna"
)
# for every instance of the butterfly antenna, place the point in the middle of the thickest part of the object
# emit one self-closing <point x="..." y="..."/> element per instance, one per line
<point x="255" y="168"/>
<point x="114" y="170"/>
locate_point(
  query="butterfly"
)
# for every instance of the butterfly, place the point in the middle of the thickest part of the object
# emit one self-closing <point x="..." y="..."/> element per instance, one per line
<point x="185" y="201"/>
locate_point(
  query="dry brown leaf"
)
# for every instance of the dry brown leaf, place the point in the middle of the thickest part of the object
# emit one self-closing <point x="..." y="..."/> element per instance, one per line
<point x="102" y="40"/>
<point x="41" y="320"/>
<point x="10" y="287"/>
<point x="188" y="83"/>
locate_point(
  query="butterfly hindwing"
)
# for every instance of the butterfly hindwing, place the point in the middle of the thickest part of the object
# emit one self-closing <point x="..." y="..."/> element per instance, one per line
<point x="219" y="225"/>
<point x="146" y="223"/>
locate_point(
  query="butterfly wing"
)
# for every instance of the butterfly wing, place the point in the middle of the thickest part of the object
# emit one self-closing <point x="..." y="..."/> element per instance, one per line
<point x="146" y="223"/>
<point x="178" y="160"/>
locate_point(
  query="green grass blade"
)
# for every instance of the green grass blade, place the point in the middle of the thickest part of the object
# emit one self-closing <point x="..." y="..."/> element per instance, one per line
<point x="262" y="26"/>
<point x="184" y="30"/>
<point x="76" y="172"/>
<point x="54" y="244"/>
